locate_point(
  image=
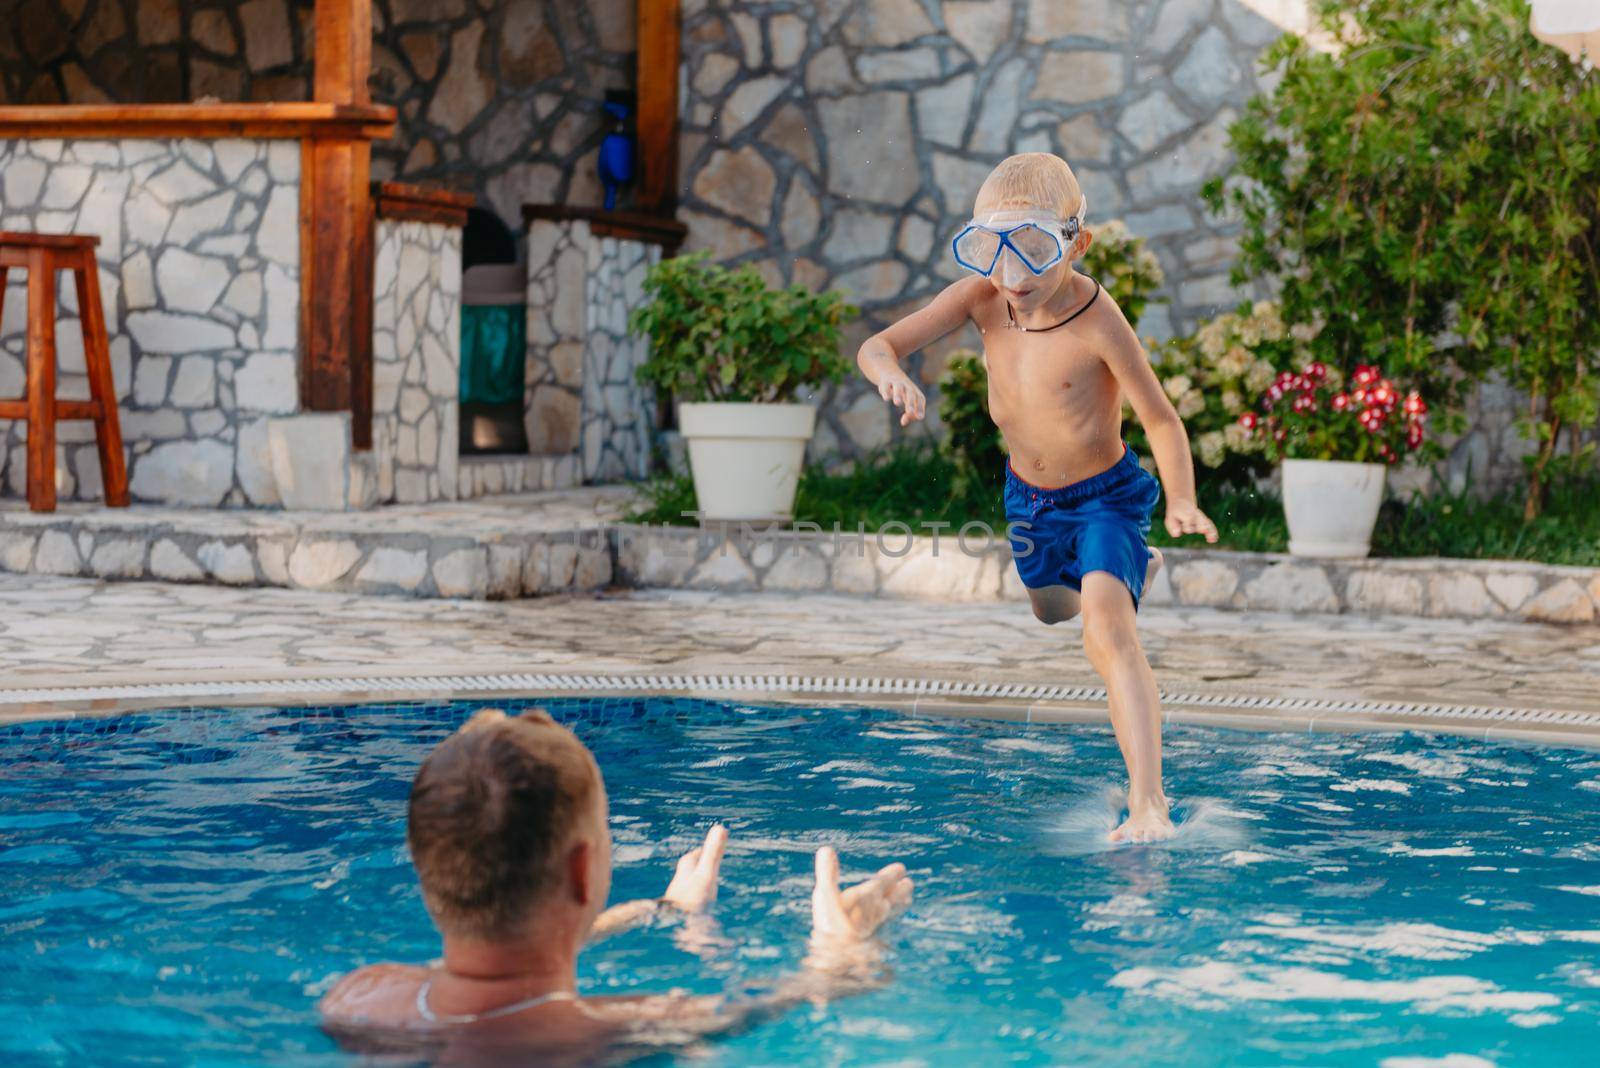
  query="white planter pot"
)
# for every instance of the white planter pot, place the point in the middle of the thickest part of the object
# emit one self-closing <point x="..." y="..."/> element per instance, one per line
<point x="746" y="458"/>
<point x="1331" y="506"/>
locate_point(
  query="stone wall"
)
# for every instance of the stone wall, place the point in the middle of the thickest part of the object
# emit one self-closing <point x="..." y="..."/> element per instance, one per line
<point x="504" y="99"/>
<point x="580" y="387"/>
<point x="199" y="264"/>
<point x="558" y="264"/>
<point x="950" y="567"/>
<point x="1487" y="456"/>
<point x="416" y="373"/>
<point x="200" y="273"/>
<point x="618" y="413"/>
<point x="841" y="143"/>
<point x="497" y="97"/>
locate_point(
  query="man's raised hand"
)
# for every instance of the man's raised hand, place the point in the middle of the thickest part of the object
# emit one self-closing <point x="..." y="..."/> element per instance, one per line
<point x="694" y="886"/>
<point x="843" y="917"/>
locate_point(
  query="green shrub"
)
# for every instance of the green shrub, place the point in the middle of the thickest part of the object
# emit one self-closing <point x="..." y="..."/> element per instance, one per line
<point x="1431" y="191"/>
<point x="971" y="440"/>
<point x="724" y="335"/>
<point x="908" y="482"/>
<point x="911" y="483"/>
<point x="1467" y="525"/>
<point x="1119" y="261"/>
<point x="1216" y="374"/>
<point x="1314" y="414"/>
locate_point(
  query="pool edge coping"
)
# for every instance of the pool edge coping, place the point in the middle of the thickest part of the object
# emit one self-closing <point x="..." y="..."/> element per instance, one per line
<point x="1070" y="705"/>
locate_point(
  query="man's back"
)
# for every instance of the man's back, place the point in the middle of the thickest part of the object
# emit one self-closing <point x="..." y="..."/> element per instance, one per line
<point x="375" y="1010"/>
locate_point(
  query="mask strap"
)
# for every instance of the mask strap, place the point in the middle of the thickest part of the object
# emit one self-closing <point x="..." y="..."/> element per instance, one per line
<point x="1075" y="223"/>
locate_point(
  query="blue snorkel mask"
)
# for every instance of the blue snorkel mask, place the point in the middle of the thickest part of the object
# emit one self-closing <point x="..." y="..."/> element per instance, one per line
<point x="1039" y="241"/>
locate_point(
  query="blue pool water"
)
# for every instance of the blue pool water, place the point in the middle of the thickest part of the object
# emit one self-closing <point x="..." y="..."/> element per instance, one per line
<point x="181" y="887"/>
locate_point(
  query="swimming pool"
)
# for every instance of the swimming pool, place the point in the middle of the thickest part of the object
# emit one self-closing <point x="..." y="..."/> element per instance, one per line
<point x="195" y="880"/>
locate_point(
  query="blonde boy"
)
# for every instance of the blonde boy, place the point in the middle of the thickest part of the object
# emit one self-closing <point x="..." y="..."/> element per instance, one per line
<point x="1061" y="357"/>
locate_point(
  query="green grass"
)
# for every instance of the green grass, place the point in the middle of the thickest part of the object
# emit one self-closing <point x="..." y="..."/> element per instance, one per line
<point x="915" y="485"/>
<point x="1444" y="524"/>
<point x="1246" y="520"/>
<point x="910" y="484"/>
<point x="1435" y="524"/>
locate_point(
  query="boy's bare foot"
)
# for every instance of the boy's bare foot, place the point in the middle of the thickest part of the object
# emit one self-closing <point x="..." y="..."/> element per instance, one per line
<point x="1156" y="560"/>
<point x="1146" y="822"/>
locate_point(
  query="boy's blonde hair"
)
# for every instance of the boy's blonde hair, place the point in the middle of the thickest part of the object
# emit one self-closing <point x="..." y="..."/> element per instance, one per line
<point x="1031" y="180"/>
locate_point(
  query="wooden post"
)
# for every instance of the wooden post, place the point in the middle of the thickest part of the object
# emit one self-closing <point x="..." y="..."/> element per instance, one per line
<point x="41" y="380"/>
<point x="102" y="388"/>
<point x="344" y="52"/>
<point x="659" y="56"/>
<point x="336" y="229"/>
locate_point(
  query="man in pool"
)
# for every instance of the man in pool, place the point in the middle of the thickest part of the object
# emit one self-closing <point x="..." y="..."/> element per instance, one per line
<point x="508" y="831"/>
<point x="1060" y="357"/>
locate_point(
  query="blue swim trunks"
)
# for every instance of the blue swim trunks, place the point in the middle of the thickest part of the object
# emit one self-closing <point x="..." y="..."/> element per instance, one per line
<point x="1100" y="524"/>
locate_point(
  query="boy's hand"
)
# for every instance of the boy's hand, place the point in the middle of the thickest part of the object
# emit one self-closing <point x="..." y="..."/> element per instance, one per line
<point x="1185" y="517"/>
<point x="900" y="391"/>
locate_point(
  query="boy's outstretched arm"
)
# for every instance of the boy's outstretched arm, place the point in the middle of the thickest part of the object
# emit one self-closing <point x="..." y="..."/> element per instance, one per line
<point x="1169" y="442"/>
<point x="880" y="355"/>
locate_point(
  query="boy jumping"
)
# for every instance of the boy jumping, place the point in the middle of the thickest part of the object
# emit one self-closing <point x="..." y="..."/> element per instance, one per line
<point x="1060" y="355"/>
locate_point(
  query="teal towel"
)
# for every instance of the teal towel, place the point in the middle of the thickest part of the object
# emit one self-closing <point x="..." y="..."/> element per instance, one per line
<point x="493" y="353"/>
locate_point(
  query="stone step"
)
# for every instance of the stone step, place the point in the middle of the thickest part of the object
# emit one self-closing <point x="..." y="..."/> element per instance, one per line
<point x="491" y="548"/>
<point x="533" y="544"/>
<point x="494" y="475"/>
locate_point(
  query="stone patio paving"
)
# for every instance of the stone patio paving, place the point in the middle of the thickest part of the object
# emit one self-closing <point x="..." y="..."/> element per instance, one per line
<point x="73" y="632"/>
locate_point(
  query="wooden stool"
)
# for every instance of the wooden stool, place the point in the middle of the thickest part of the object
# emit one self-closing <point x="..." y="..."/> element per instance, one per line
<point x="42" y="255"/>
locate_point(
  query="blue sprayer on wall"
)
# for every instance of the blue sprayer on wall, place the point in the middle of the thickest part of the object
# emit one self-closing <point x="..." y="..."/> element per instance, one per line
<point x="616" y="155"/>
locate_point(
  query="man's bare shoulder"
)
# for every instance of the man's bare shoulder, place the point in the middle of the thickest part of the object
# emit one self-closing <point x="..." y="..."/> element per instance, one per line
<point x="649" y="1007"/>
<point x="378" y="993"/>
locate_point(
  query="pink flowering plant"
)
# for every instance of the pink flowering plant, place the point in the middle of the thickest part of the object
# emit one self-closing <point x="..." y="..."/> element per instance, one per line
<point x="1312" y="415"/>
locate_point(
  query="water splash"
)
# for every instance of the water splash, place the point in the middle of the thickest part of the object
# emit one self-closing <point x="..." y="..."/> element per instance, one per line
<point x="1203" y="824"/>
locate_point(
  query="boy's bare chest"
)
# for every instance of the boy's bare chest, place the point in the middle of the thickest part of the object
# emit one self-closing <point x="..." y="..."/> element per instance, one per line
<point x="1036" y="369"/>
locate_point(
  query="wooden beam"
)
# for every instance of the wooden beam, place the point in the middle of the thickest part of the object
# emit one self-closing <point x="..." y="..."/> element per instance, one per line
<point x="248" y="121"/>
<point x="418" y="203"/>
<point x="336" y="241"/>
<point x="65" y="409"/>
<point x="657" y="123"/>
<point x="635" y="226"/>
